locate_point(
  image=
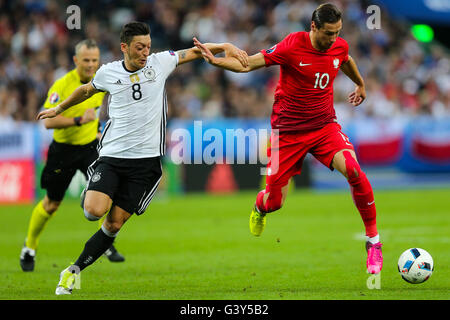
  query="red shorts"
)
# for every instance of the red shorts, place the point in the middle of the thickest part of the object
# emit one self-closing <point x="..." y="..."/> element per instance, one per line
<point x="288" y="150"/>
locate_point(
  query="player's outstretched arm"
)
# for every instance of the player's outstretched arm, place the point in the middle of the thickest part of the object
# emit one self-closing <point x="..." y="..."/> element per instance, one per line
<point x="61" y="121"/>
<point x="228" y="62"/>
<point x="351" y="70"/>
<point x="230" y="50"/>
<point x="78" y="95"/>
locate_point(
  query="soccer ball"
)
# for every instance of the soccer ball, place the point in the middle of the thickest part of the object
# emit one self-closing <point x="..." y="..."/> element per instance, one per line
<point x="415" y="265"/>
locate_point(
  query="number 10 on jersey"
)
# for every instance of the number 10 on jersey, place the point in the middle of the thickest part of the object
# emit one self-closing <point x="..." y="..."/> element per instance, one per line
<point x="321" y="81"/>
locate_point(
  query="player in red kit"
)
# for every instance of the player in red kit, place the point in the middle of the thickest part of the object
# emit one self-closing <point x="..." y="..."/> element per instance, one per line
<point x="304" y="121"/>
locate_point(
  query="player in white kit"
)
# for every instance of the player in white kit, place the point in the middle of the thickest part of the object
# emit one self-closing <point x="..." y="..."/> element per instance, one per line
<point x="124" y="179"/>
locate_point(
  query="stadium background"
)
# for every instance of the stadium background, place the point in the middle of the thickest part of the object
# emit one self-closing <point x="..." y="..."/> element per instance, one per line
<point x="401" y="132"/>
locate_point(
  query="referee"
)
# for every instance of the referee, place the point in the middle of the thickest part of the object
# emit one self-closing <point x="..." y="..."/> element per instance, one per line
<point x="74" y="147"/>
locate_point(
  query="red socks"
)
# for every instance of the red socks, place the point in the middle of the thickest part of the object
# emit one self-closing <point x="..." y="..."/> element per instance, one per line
<point x="362" y="194"/>
<point x="363" y="198"/>
<point x="273" y="202"/>
<point x="260" y="201"/>
<point x="360" y="188"/>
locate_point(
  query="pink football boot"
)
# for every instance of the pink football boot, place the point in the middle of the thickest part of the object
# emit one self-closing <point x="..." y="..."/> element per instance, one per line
<point x="374" y="257"/>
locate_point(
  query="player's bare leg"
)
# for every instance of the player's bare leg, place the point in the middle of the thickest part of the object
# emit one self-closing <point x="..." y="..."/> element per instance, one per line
<point x="112" y="253"/>
<point x="93" y="248"/>
<point x="96" y="205"/>
<point x="267" y="200"/>
<point x="345" y="162"/>
<point x="115" y="220"/>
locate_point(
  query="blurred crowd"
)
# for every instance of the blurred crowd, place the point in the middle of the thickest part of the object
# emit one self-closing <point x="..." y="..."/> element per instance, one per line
<point x="403" y="76"/>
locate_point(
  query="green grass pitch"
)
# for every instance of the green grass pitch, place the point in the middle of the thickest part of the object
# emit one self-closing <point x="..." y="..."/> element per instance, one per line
<point x="199" y="247"/>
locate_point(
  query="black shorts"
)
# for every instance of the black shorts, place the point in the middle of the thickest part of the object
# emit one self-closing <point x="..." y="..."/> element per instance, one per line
<point x="130" y="183"/>
<point x="63" y="161"/>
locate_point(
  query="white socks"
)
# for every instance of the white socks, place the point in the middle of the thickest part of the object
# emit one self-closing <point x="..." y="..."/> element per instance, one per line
<point x="373" y="240"/>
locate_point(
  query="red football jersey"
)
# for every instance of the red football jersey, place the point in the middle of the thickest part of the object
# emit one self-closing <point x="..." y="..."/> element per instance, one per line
<point x="304" y="94"/>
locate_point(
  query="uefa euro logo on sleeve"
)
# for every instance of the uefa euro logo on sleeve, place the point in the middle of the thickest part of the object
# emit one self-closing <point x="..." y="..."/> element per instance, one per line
<point x="269" y="51"/>
<point x="54" y="98"/>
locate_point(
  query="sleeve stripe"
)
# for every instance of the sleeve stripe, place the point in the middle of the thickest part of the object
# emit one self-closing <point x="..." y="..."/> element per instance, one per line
<point x="177" y="58"/>
<point x="92" y="82"/>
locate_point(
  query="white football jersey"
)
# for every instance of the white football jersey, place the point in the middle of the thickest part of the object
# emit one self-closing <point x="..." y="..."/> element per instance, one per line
<point x="137" y="108"/>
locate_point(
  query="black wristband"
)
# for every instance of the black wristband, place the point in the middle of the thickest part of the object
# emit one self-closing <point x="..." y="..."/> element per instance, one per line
<point x="77" y="121"/>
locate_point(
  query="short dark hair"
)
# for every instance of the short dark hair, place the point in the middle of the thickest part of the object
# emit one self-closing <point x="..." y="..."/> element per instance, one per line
<point x="132" y="29"/>
<point x="326" y="13"/>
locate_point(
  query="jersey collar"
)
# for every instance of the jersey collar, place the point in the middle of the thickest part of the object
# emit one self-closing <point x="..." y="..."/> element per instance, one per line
<point x="127" y="70"/>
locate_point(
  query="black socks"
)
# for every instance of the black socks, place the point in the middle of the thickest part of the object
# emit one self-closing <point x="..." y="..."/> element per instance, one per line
<point x="94" y="248"/>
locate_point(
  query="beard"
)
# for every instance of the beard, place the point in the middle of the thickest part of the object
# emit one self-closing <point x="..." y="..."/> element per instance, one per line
<point x="133" y="61"/>
<point x="324" y="46"/>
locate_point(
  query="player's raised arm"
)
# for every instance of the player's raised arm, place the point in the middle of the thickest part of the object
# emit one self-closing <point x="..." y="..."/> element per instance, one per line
<point x="79" y="95"/>
<point x="351" y="70"/>
<point x="230" y="50"/>
<point x="230" y="62"/>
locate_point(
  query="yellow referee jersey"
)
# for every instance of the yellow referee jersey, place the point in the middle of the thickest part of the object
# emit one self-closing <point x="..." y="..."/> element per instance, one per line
<point x="61" y="90"/>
